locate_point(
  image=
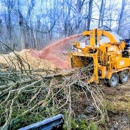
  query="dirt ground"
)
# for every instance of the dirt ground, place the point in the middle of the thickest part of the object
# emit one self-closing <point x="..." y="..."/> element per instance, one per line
<point x="118" y="106"/>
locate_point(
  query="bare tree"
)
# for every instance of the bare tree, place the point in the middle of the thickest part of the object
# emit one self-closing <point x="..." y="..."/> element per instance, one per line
<point x="67" y="18"/>
<point x="89" y="14"/>
<point x="101" y="13"/>
<point x="79" y="6"/>
<point x="9" y="4"/>
<point x="121" y="15"/>
<point x="21" y="25"/>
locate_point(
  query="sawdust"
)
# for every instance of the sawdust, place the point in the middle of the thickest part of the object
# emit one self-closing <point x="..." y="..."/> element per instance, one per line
<point x="35" y="62"/>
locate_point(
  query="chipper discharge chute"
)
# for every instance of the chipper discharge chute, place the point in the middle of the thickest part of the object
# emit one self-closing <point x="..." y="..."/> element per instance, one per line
<point x="109" y="54"/>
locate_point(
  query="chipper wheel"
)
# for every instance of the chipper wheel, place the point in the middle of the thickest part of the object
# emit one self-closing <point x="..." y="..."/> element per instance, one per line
<point x="124" y="76"/>
<point x="114" y="80"/>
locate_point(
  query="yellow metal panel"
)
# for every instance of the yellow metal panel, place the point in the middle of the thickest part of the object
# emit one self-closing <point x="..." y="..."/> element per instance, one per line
<point x="123" y="62"/>
<point x="85" y="33"/>
<point x="108" y="75"/>
<point x="92" y="41"/>
<point x="103" y="70"/>
<point x="110" y="36"/>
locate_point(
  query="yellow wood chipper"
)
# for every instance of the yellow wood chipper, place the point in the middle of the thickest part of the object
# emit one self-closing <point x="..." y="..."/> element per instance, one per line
<point x="111" y="57"/>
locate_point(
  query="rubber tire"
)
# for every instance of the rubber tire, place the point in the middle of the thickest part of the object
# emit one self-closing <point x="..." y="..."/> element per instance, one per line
<point x="121" y="76"/>
<point x="114" y="83"/>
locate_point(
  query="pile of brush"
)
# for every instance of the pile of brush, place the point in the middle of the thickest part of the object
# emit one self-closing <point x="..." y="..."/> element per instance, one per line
<point x="28" y="96"/>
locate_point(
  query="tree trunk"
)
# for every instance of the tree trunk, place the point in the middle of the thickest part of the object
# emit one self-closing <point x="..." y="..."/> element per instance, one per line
<point x="101" y="14"/>
<point x="67" y="18"/>
<point x="89" y="14"/>
<point x="22" y="38"/>
<point x="9" y="25"/>
<point x="22" y="31"/>
<point x="121" y="15"/>
<point x="78" y="13"/>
